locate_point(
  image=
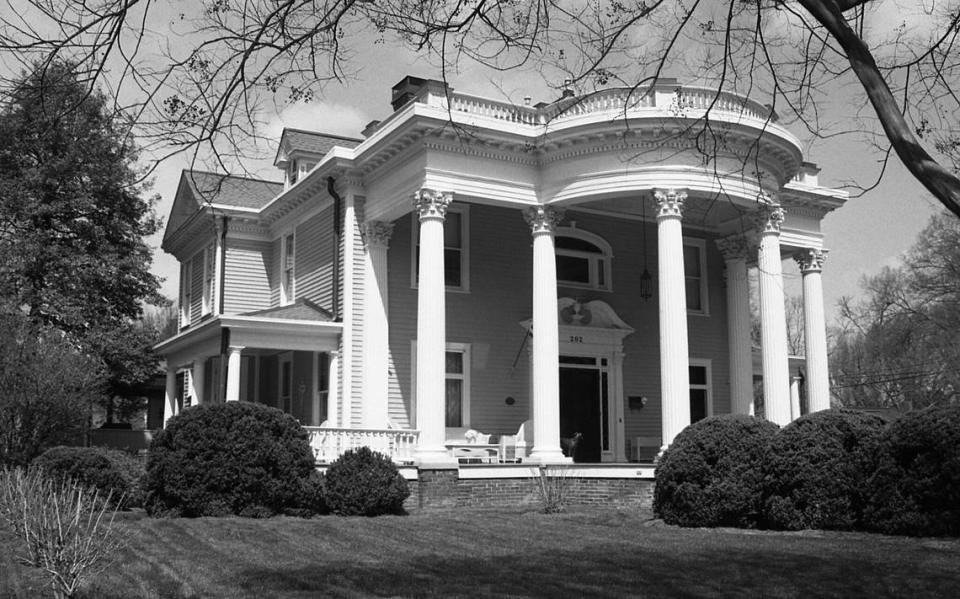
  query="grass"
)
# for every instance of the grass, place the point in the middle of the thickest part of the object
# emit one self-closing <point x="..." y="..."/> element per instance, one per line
<point x="501" y="553"/>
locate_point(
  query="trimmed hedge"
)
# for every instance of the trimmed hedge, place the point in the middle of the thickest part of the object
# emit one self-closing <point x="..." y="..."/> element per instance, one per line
<point x="362" y="482"/>
<point x="711" y="474"/>
<point x="112" y="472"/>
<point x="229" y="458"/>
<point x="916" y="488"/>
<point x="816" y="472"/>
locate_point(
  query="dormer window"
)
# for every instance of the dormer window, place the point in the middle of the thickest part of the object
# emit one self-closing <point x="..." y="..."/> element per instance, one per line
<point x="583" y="259"/>
<point x="294" y="171"/>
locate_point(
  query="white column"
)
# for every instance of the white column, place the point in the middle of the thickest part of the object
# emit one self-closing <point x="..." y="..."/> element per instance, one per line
<point x="814" y="329"/>
<point x="794" y="397"/>
<point x="674" y="353"/>
<point x="734" y="250"/>
<point x="376" y="337"/>
<point x="170" y="396"/>
<point x="233" y="373"/>
<point x="546" y="338"/>
<point x="431" y="329"/>
<point x="197" y="378"/>
<point x="773" y="321"/>
<point x="333" y="398"/>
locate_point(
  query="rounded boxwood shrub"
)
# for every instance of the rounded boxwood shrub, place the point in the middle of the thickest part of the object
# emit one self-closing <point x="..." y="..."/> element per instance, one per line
<point x="362" y="482"/>
<point x="916" y="487"/>
<point x="711" y="473"/>
<point x="228" y="458"/>
<point x="816" y="473"/>
<point x="112" y="472"/>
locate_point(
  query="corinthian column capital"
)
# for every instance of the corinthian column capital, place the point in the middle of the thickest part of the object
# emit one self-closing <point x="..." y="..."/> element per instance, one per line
<point x="432" y="204"/>
<point x="377" y="233"/>
<point x="543" y="219"/>
<point x="810" y="259"/>
<point x="770" y="218"/>
<point x="734" y="247"/>
<point x="669" y="202"/>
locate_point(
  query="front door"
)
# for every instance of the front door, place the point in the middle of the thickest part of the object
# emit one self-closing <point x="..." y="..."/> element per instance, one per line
<point x="583" y="407"/>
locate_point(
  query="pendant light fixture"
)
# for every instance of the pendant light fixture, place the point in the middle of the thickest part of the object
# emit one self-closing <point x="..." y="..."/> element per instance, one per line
<point x="646" y="279"/>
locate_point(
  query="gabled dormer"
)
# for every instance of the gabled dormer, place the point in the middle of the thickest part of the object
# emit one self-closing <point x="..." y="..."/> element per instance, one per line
<point x="205" y="206"/>
<point x="299" y="151"/>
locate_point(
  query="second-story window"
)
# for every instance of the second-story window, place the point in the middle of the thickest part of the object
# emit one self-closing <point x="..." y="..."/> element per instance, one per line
<point x="583" y="259"/>
<point x="456" y="247"/>
<point x="208" y="268"/>
<point x="287" y="265"/>
<point x="695" y="279"/>
<point x="186" y="297"/>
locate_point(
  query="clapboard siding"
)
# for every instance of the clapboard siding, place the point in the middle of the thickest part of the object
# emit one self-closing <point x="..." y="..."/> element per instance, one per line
<point x="315" y="255"/>
<point x="247" y="286"/>
<point x="488" y="318"/>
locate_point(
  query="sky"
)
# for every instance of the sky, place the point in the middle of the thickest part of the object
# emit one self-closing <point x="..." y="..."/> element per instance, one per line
<point x="869" y="232"/>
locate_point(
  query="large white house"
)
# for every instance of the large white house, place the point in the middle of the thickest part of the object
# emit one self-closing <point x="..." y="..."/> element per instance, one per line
<point x="472" y="267"/>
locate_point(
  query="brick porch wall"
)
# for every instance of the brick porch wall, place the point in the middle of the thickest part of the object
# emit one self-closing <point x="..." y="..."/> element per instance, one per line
<point x="446" y="489"/>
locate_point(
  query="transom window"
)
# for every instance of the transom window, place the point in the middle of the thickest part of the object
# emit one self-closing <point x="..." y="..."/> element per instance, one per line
<point x="583" y="259"/>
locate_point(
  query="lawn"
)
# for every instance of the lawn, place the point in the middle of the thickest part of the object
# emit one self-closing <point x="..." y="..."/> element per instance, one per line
<point x="502" y="553"/>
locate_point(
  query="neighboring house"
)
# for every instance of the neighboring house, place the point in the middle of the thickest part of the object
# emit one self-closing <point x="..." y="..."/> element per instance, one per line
<point x="576" y="266"/>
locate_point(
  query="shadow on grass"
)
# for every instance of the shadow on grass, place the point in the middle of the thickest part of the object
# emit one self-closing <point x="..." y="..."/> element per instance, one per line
<point x="716" y="570"/>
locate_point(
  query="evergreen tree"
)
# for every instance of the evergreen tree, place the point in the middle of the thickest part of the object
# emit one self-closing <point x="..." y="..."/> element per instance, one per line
<point x="73" y="219"/>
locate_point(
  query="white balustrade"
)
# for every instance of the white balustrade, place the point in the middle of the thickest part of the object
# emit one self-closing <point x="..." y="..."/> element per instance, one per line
<point x="330" y="443"/>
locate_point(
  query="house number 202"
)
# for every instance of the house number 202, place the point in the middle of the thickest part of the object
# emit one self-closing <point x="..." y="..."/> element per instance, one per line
<point x="576" y="339"/>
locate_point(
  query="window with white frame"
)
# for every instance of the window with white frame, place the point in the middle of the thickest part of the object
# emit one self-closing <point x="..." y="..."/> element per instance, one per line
<point x="456" y="248"/>
<point x="456" y="383"/>
<point x="457" y="386"/>
<point x="695" y="274"/>
<point x="287" y="268"/>
<point x="186" y="296"/>
<point x="583" y="259"/>
<point x="208" y="268"/>
<point x="701" y="388"/>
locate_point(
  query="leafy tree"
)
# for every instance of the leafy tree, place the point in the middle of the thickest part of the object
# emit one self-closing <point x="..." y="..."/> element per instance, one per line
<point x="47" y="385"/>
<point x="73" y="219"/>
<point x="804" y="55"/>
<point x="898" y="346"/>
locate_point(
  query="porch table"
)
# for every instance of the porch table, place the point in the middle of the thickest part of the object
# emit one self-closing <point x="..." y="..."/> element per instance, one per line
<point x="480" y="453"/>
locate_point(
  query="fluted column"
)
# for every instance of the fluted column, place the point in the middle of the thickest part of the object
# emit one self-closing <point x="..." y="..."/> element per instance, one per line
<point x="376" y="336"/>
<point x="773" y="321"/>
<point x="170" y="396"/>
<point x="431" y="207"/>
<point x="233" y="373"/>
<point x="734" y="250"/>
<point x="674" y="354"/>
<point x="795" y="397"/>
<point x="814" y="329"/>
<point x="546" y="337"/>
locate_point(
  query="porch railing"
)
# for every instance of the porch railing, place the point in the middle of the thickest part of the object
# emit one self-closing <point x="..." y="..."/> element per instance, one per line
<point x="330" y="443"/>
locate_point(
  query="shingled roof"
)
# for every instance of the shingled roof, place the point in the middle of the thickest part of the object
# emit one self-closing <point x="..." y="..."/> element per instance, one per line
<point x="230" y="190"/>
